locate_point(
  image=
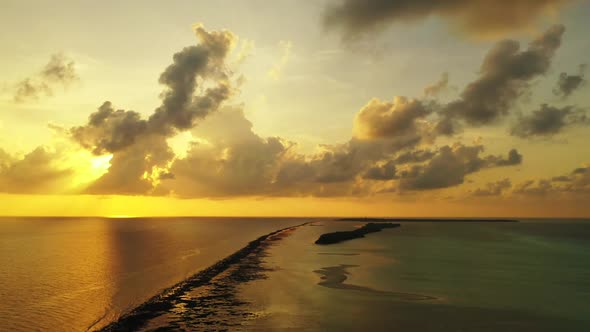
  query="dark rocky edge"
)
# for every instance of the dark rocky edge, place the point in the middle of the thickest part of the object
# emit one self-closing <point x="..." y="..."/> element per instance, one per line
<point x="336" y="237"/>
<point x="206" y="300"/>
<point x="427" y="220"/>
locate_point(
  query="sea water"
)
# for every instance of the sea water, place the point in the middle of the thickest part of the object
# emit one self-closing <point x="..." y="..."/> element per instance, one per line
<point x="72" y="274"/>
<point x="533" y="275"/>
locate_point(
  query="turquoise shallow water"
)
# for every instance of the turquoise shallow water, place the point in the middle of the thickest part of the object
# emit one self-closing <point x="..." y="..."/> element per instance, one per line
<point x="527" y="276"/>
<point x="542" y="267"/>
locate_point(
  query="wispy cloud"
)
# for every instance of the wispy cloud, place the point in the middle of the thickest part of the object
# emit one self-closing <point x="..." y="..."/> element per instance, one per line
<point x="285" y="49"/>
<point x="59" y="71"/>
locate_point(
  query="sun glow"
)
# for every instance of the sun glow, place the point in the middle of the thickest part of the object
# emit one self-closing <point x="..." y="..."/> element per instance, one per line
<point x="88" y="167"/>
<point x="101" y="164"/>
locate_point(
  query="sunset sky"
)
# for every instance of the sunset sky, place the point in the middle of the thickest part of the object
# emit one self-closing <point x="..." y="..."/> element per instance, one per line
<point x="295" y="108"/>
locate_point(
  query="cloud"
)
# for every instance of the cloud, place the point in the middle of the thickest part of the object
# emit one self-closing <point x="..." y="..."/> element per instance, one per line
<point x="397" y="119"/>
<point x="245" y="51"/>
<point x="496" y="188"/>
<point x="436" y="88"/>
<point x="480" y="18"/>
<point x="136" y="170"/>
<point x="548" y="121"/>
<point x="39" y="171"/>
<point x="514" y="158"/>
<point x="195" y="85"/>
<point x="505" y="76"/>
<point x="59" y="71"/>
<point x="575" y="183"/>
<point x="392" y="148"/>
<point x="567" y="84"/>
<point x="109" y="130"/>
<point x="230" y="160"/>
<point x="450" y="165"/>
<point x="385" y="172"/>
<point x="285" y="49"/>
<point x="414" y="156"/>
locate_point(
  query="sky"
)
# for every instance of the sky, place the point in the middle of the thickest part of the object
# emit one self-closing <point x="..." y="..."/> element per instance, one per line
<point x="295" y="108"/>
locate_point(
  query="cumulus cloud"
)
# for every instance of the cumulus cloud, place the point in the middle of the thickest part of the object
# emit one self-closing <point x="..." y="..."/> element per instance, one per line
<point x="496" y="188"/>
<point x="451" y="165"/>
<point x="397" y="119"/>
<point x="39" y="171"/>
<point x="567" y="84"/>
<point x="577" y="182"/>
<point x="392" y="147"/>
<point x="387" y="171"/>
<point x="136" y="170"/>
<point x="474" y="17"/>
<point x="195" y="85"/>
<point x="60" y="71"/>
<point x="505" y="76"/>
<point x="110" y="130"/>
<point x="414" y="156"/>
<point x="548" y="121"/>
<point x="229" y="159"/>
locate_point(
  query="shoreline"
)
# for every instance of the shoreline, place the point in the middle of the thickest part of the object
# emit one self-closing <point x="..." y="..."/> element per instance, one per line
<point x="166" y="300"/>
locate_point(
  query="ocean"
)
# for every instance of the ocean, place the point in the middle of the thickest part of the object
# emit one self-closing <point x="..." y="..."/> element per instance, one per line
<point x="77" y="274"/>
<point x="74" y="274"/>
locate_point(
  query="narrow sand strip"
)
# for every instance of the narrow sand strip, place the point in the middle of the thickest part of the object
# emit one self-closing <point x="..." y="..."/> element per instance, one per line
<point x="206" y="299"/>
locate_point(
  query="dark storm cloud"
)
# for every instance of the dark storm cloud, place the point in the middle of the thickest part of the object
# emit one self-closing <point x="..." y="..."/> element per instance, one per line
<point x="59" y="71"/>
<point x="567" y="84"/>
<point x="475" y="17"/>
<point x="505" y="76"/>
<point x="493" y="188"/>
<point x="548" y="121"/>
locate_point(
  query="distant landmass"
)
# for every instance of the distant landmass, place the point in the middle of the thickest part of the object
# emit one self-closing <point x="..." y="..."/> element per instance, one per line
<point x="336" y="237"/>
<point x="427" y="220"/>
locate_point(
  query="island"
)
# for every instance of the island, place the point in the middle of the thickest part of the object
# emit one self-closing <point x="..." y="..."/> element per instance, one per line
<point x="336" y="237"/>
